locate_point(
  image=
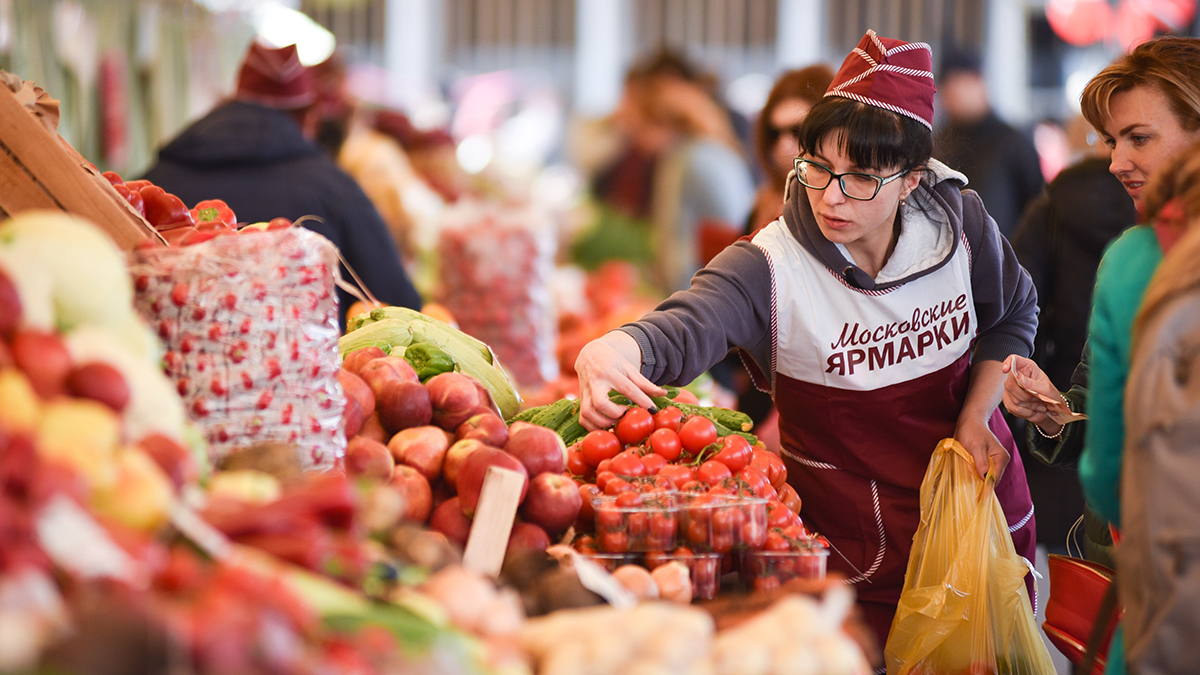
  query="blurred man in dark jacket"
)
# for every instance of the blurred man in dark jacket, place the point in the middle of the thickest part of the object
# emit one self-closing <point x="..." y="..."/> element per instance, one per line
<point x="256" y="153"/>
<point x="1000" y="162"/>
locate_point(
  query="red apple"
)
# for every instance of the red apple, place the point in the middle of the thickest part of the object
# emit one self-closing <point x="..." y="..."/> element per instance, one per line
<point x="352" y="418"/>
<point x="456" y="455"/>
<point x="528" y="535"/>
<point x="469" y="481"/>
<point x="415" y="490"/>
<point x="373" y="429"/>
<point x="485" y="427"/>
<point x="6" y="358"/>
<point x="552" y="502"/>
<point x="175" y="460"/>
<point x="356" y="388"/>
<point x="539" y="448"/>
<point x="99" y="382"/>
<point x="423" y="448"/>
<point x="358" y="358"/>
<point x="44" y="359"/>
<point x="449" y="519"/>
<point x="455" y="399"/>
<point x="402" y="405"/>
<point x="10" y="306"/>
<point x="368" y="458"/>
<point x="486" y="403"/>
<point x="379" y="371"/>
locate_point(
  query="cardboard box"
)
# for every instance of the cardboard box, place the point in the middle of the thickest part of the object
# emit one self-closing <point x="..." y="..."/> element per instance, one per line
<point x="38" y="170"/>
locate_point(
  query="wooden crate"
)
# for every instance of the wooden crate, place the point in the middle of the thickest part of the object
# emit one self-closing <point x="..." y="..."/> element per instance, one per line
<point x="39" y="170"/>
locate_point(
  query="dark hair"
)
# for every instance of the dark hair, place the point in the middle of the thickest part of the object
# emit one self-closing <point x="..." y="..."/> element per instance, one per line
<point x="808" y="85"/>
<point x="873" y="138"/>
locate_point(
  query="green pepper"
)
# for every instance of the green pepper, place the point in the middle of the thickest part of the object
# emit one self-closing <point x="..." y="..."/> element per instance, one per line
<point x="428" y="360"/>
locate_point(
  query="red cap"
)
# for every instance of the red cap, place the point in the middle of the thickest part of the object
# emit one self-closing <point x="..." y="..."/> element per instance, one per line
<point x="275" y="78"/>
<point x="889" y="74"/>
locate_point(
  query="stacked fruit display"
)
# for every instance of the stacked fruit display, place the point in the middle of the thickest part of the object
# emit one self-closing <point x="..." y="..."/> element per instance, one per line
<point x="686" y="483"/>
<point x="426" y="407"/>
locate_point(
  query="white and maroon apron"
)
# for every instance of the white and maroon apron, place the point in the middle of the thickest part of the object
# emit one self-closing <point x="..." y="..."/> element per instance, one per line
<point x="866" y="384"/>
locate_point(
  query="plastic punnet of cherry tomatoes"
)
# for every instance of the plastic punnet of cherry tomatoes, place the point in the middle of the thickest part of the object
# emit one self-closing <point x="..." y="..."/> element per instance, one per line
<point x="635" y="426"/>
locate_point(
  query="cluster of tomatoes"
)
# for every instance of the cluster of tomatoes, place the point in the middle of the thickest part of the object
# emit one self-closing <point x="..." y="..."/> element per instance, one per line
<point x="669" y="482"/>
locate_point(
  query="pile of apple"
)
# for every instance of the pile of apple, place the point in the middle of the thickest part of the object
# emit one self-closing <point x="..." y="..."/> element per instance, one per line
<point x="434" y="441"/>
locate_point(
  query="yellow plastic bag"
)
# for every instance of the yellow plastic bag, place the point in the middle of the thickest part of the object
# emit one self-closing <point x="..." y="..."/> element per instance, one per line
<point x="964" y="609"/>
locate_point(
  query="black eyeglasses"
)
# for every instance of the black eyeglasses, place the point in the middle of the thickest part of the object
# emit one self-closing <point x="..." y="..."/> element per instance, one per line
<point x="860" y="186"/>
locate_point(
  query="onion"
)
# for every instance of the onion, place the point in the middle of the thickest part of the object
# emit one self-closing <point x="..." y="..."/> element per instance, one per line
<point x="674" y="582"/>
<point x="637" y="580"/>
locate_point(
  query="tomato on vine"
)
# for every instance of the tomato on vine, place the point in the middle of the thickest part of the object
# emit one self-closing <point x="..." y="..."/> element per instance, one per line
<point x="669" y="417"/>
<point x="697" y="433"/>
<point x="712" y="472"/>
<point x="735" y="452"/>
<point x="665" y="442"/>
<point x="634" y="426"/>
<point x="599" y="445"/>
<point x="627" y="464"/>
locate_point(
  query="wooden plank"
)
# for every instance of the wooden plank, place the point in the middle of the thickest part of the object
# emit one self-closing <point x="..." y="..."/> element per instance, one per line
<point x="18" y="190"/>
<point x="494" y="516"/>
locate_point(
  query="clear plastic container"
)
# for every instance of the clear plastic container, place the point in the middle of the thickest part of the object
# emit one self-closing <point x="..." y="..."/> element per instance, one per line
<point x="722" y="523"/>
<point x="651" y="525"/>
<point x="762" y="570"/>
<point x="704" y="569"/>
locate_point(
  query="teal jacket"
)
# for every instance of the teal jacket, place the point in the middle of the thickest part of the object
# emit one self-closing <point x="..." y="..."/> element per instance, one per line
<point x="1121" y="281"/>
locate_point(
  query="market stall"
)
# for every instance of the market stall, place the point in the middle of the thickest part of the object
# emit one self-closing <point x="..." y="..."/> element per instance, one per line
<point x="199" y="473"/>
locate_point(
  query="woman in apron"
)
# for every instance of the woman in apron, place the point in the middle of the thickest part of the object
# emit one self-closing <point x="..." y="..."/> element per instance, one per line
<point x="877" y="311"/>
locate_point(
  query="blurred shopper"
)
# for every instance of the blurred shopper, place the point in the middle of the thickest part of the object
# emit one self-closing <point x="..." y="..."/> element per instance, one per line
<point x="874" y="232"/>
<point x="1146" y="106"/>
<point x="1160" y="498"/>
<point x="256" y="152"/>
<point x="775" y="136"/>
<point x="1000" y="162"/>
<point x="1059" y="240"/>
<point x="701" y="188"/>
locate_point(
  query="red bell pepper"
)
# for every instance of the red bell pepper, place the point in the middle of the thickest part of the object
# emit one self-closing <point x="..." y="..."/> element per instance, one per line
<point x="214" y="210"/>
<point x="164" y="210"/>
<point x="134" y="198"/>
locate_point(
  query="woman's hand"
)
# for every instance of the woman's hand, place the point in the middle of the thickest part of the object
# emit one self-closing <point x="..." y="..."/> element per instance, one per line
<point x="976" y="436"/>
<point x="972" y="430"/>
<point x="612" y="361"/>
<point x="1023" y="403"/>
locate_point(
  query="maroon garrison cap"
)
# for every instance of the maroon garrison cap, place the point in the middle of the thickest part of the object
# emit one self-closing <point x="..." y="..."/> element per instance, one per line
<point x="275" y="78"/>
<point x="889" y="74"/>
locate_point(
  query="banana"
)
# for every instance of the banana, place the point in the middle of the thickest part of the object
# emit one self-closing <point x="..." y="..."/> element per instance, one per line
<point x="470" y="361"/>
